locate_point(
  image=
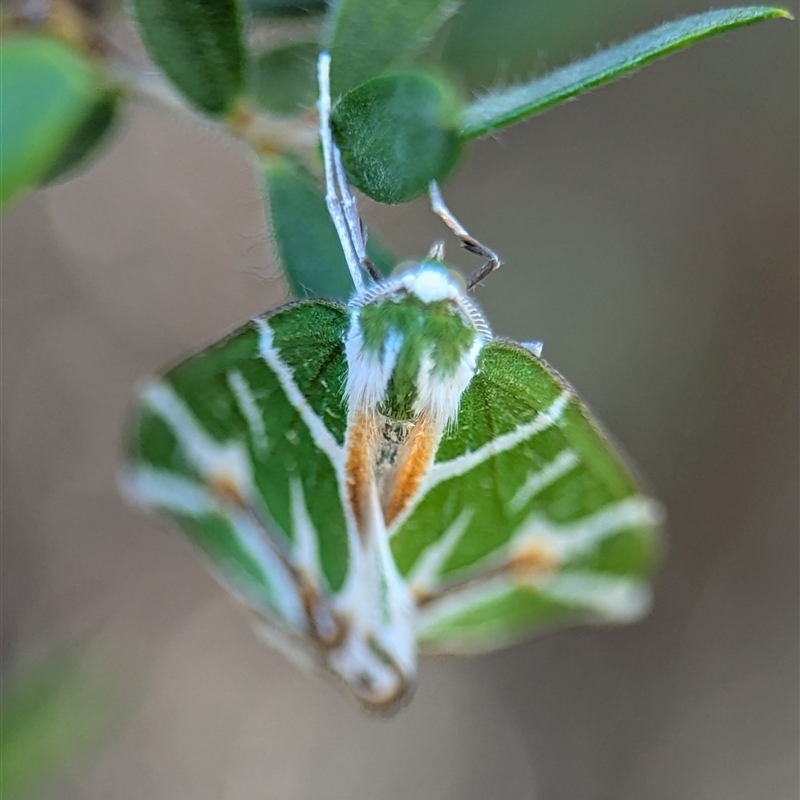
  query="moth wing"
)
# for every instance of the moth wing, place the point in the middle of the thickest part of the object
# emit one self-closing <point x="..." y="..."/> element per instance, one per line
<point x="241" y="446"/>
<point x="528" y="518"/>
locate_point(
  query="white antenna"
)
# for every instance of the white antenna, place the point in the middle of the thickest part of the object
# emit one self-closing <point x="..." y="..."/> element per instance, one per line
<point x="338" y="197"/>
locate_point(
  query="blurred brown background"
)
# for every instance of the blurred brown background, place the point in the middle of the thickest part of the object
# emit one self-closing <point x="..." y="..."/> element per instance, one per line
<point x="650" y="233"/>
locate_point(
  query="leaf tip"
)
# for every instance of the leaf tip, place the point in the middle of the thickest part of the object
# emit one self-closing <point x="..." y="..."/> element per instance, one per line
<point x="776" y="12"/>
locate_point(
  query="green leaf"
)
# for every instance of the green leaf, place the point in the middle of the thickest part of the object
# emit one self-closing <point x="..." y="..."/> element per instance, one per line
<point x="397" y="133"/>
<point x="50" y="713"/>
<point x="284" y="80"/>
<point x="285" y="8"/>
<point x="47" y="91"/>
<point x="87" y="141"/>
<point x="200" y="46"/>
<point x="497" y="109"/>
<point x="307" y="242"/>
<point x="367" y="37"/>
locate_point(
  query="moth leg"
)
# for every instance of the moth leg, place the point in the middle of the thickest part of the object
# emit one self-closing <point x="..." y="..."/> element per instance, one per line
<point x="533" y="347"/>
<point x="338" y="197"/>
<point x="366" y="261"/>
<point x="468" y="242"/>
<point x="436" y="253"/>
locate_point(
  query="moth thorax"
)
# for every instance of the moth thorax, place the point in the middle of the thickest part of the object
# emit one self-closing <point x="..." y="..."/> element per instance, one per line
<point x="392" y="434"/>
<point x="413" y="347"/>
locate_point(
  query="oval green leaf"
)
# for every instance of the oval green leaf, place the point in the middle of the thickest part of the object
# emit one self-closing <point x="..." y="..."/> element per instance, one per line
<point x="397" y="133"/>
<point x="498" y="109"/>
<point x="199" y="45"/>
<point x="284" y="80"/>
<point x="367" y="37"/>
<point x="307" y="242"/>
<point x="86" y="143"/>
<point x="47" y="90"/>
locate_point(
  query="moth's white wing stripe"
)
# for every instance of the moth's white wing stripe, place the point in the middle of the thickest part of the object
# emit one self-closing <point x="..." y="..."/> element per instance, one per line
<point x="322" y="437"/>
<point x="327" y="444"/>
<point x="305" y="553"/>
<point x="285" y="594"/>
<point x="454" y="603"/>
<point x="427" y="569"/>
<point x="610" y="597"/>
<point x="209" y="457"/>
<point x="507" y="441"/>
<point x="156" y="488"/>
<point x="456" y="467"/>
<point x="567" y="541"/>
<point x="537" y="481"/>
<point x="249" y="409"/>
<point x="614" y="598"/>
<point x="572" y="539"/>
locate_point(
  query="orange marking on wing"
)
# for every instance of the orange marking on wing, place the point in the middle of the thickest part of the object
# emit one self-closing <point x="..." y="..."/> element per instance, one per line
<point x="362" y="433"/>
<point x="414" y="460"/>
<point x="226" y="489"/>
<point x="531" y="559"/>
<point x="421" y="595"/>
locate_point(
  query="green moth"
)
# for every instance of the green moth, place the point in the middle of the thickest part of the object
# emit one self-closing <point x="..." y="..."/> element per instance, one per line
<point x="386" y="478"/>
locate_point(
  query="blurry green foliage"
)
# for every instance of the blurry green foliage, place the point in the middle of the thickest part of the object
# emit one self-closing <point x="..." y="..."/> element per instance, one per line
<point x="49" y="713"/>
<point x="199" y="45"/>
<point x="503" y="107"/>
<point x="399" y="122"/>
<point x="284" y="80"/>
<point x="93" y="133"/>
<point x="368" y="37"/>
<point x="307" y="242"/>
<point x="47" y="90"/>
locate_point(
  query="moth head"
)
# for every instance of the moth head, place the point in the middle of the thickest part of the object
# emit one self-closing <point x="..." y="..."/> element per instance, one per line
<point x="413" y="344"/>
